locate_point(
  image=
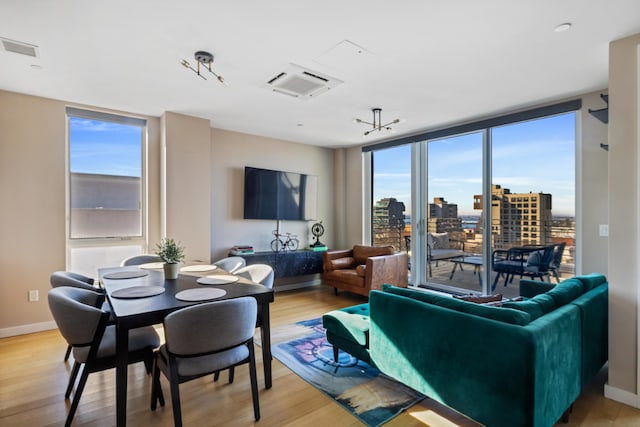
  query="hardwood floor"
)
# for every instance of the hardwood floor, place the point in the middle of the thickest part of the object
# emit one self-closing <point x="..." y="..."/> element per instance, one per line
<point x="33" y="378"/>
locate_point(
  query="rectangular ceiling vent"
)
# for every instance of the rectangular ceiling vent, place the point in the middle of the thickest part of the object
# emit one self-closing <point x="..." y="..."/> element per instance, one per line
<point x="19" y="47"/>
<point x="302" y="83"/>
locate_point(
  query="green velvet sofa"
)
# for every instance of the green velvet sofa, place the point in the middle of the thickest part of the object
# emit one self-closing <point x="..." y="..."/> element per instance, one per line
<point x="521" y="364"/>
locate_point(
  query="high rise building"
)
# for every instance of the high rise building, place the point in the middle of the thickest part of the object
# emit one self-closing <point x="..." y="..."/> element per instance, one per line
<point x="518" y="218"/>
<point x="389" y="223"/>
<point x="443" y="217"/>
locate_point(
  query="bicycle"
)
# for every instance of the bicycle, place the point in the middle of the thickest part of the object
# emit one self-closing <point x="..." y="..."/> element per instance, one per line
<point x="291" y="242"/>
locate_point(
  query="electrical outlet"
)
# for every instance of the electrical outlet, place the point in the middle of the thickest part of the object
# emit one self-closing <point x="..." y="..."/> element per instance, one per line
<point x="34" y="296"/>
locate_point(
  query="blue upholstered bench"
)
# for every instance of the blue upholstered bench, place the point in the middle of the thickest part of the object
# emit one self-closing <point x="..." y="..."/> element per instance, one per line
<point x="348" y="330"/>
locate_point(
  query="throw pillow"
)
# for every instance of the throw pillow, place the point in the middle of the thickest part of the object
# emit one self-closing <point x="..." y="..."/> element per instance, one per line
<point x="535" y="258"/>
<point x="480" y="299"/>
<point x="439" y="240"/>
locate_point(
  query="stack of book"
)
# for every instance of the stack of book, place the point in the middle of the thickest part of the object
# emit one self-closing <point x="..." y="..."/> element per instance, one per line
<point x="242" y="250"/>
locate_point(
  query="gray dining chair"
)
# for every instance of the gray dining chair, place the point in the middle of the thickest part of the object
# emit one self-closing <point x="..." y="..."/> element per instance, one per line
<point x="203" y="339"/>
<point x="84" y="327"/>
<point x="230" y="264"/>
<point x="259" y="273"/>
<point x="140" y="259"/>
<point x="75" y="280"/>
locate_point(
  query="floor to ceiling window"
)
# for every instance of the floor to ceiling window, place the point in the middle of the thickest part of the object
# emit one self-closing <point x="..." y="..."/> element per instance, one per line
<point x="106" y="203"/>
<point x="505" y="185"/>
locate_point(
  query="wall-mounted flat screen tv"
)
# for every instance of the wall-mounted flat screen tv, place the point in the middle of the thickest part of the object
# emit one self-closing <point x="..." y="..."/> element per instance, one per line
<point x="271" y="194"/>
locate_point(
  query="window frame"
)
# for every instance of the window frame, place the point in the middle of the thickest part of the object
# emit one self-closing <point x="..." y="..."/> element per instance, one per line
<point x="79" y="242"/>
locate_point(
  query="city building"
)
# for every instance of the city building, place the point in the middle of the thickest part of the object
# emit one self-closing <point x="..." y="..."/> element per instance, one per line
<point x="389" y="223"/>
<point x="443" y="217"/>
<point x="518" y="218"/>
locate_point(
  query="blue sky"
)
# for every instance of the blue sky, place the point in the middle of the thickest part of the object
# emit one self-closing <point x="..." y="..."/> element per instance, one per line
<point x="105" y="148"/>
<point x="533" y="156"/>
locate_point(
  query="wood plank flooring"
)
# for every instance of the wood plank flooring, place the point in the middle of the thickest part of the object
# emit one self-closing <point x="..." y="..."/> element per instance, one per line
<point x="33" y="378"/>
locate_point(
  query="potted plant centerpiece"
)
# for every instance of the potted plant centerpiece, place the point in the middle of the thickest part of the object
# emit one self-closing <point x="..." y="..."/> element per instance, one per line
<point x="172" y="254"/>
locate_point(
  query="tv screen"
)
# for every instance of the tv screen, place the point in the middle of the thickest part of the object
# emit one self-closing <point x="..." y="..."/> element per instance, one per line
<point x="270" y="194"/>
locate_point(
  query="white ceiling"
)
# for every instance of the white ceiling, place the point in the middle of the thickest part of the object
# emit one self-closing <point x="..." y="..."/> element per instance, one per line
<point x="430" y="62"/>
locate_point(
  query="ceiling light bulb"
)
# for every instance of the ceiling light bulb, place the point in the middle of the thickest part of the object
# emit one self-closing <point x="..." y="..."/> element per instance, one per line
<point x="562" y="27"/>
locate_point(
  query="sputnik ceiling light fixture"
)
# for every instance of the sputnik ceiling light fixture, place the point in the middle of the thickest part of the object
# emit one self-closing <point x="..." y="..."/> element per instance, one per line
<point x="205" y="59"/>
<point x="377" y="122"/>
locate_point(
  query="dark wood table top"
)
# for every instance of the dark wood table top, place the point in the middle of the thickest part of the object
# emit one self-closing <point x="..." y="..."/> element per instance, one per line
<point x="149" y="310"/>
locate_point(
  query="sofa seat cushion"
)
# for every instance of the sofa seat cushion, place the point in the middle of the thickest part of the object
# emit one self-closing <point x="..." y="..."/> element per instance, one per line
<point x="501" y="314"/>
<point x="351" y="323"/>
<point x="340" y="263"/>
<point x="441" y="254"/>
<point x="361" y="253"/>
<point x="347" y="276"/>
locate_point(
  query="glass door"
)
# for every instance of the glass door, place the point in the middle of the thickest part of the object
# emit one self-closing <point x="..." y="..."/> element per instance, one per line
<point x="453" y="223"/>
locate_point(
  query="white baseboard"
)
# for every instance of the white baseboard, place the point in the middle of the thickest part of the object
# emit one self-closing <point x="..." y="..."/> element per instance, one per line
<point x="27" y="329"/>
<point x="622" y="396"/>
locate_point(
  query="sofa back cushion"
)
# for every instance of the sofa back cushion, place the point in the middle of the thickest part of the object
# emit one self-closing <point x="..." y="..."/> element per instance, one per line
<point x="361" y="253"/>
<point x="505" y="315"/>
<point x="438" y="240"/>
<point x="340" y="263"/>
<point x="593" y="280"/>
<point x="566" y="291"/>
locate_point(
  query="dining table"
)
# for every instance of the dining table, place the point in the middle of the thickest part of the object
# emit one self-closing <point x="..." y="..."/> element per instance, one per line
<point x="141" y="296"/>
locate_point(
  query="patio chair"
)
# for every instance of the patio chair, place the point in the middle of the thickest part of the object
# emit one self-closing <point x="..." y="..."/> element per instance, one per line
<point x="523" y="261"/>
<point x="554" y="267"/>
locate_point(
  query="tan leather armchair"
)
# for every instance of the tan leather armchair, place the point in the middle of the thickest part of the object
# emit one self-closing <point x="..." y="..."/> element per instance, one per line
<point x="364" y="268"/>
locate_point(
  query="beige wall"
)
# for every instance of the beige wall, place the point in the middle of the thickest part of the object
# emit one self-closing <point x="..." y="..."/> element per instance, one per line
<point x="32" y="213"/>
<point x="592" y="187"/>
<point x="624" y="275"/>
<point x="230" y="153"/>
<point x="187" y="199"/>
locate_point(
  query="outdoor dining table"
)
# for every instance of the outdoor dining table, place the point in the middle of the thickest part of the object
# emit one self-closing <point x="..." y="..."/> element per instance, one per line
<point x="126" y="289"/>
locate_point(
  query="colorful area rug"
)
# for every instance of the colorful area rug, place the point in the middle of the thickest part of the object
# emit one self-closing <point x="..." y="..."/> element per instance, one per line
<point x="361" y="389"/>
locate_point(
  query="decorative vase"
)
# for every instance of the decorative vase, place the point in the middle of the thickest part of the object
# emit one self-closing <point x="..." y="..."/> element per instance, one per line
<point x="171" y="270"/>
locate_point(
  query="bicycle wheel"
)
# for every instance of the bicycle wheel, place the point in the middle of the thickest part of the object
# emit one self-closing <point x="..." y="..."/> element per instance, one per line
<point x="293" y="244"/>
<point x="277" y="245"/>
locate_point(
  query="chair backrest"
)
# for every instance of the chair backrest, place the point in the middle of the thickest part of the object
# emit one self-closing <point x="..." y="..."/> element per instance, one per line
<point x="75" y="313"/>
<point x="140" y="259"/>
<point x="67" y="278"/>
<point x="259" y="273"/>
<point x="231" y="264"/>
<point x="210" y="327"/>
<point x="557" y="254"/>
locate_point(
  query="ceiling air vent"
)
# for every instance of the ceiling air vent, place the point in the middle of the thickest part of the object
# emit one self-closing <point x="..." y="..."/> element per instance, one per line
<point x="302" y="83"/>
<point x="20" y="47"/>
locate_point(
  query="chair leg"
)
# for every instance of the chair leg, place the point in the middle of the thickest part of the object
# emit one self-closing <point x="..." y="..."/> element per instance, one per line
<point x="216" y="376"/>
<point x="68" y="353"/>
<point x="335" y="291"/>
<point x="72" y="379"/>
<point x="335" y="353"/>
<point x="254" y="382"/>
<point x="76" y="397"/>
<point x="175" y="402"/>
<point x="156" y="387"/>
<point x="232" y="372"/>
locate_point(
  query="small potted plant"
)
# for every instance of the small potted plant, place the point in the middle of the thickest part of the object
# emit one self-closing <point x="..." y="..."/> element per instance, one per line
<point x="172" y="254"/>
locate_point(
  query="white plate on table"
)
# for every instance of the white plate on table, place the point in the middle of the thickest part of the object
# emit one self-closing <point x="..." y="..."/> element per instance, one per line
<point x="198" y="268"/>
<point x="137" y="292"/>
<point x="200" y="294"/>
<point x="128" y="274"/>
<point x="218" y="279"/>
